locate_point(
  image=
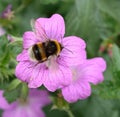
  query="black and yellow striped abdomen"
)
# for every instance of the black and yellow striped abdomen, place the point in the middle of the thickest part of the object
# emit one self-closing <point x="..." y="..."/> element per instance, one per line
<point x="39" y="52"/>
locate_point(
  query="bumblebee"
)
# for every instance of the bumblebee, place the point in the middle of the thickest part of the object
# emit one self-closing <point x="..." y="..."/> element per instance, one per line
<point x="41" y="51"/>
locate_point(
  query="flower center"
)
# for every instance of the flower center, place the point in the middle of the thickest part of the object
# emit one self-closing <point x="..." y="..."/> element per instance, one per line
<point x="51" y="63"/>
<point x="74" y="74"/>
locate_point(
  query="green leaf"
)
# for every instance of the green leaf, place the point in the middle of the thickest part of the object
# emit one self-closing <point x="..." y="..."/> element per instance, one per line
<point x="116" y="57"/>
<point x="87" y="20"/>
<point x="13" y="84"/>
<point x="94" y="106"/>
<point x="12" y="95"/>
<point x="49" y="1"/>
<point x="112" y="9"/>
<point x="59" y="102"/>
<point x="24" y="91"/>
<point x="110" y="88"/>
<point x="84" y="20"/>
<point x="5" y="60"/>
<point x="8" y="57"/>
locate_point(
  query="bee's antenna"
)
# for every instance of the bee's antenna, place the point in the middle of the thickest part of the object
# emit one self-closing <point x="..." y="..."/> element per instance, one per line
<point x="61" y="40"/>
<point x="68" y="50"/>
<point x="65" y="45"/>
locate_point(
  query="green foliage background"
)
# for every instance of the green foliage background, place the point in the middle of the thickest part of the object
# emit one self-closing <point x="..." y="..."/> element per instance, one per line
<point x="96" y="21"/>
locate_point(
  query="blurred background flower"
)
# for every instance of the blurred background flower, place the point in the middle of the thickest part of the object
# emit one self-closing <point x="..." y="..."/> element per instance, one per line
<point x="7" y="12"/>
<point x="2" y="31"/>
<point x="30" y="107"/>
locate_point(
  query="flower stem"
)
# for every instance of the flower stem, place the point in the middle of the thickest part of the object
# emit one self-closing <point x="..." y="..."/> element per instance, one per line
<point x="69" y="113"/>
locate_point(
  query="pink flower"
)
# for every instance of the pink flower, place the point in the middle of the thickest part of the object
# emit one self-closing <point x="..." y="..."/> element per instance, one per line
<point x="2" y="31"/>
<point x="89" y="72"/>
<point x="10" y="38"/>
<point x="53" y="73"/>
<point x="29" y="108"/>
<point x="8" y="13"/>
<point x="3" y="102"/>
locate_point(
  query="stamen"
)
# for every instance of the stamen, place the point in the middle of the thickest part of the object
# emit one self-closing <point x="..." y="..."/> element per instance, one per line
<point x="51" y="63"/>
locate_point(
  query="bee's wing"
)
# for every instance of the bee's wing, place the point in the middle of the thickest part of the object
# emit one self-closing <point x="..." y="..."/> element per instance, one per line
<point x="40" y="32"/>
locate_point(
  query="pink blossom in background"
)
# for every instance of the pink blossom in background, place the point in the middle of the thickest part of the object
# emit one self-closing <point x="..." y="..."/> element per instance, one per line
<point x="89" y="72"/>
<point x="32" y="107"/>
<point x="10" y="38"/>
<point x="54" y="73"/>
<point x="3" y="102"/>
<point x="2" y="31"/>
<point x="7" y="13"/>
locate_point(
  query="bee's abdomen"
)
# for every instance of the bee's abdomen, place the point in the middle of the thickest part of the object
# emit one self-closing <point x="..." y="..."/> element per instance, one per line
<point x="36" y="52"/>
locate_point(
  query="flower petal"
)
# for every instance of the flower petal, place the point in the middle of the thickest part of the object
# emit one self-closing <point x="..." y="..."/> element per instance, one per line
<point x="54" y="27"/>
<point x="3" y="103"/>
<point x="24" y="70"/>
<point x="2" y="31"/>
<point x="36" y="78"/>
<point x="39" y="98"/>
<point x="30" y="72"/>
<point x="73" y="52"/>
<point x="27" y="111"/>
<point x="76" y="91"/>
<point x="57" y="79"/>
<point x="29" y="39"/>
<point x="92" y="70"/>
<point x="23" y="56"/>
